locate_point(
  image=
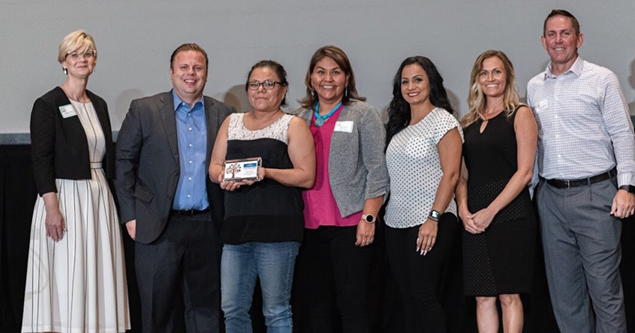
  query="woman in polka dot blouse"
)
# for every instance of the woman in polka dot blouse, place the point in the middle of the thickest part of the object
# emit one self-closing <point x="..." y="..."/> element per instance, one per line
<point x="423" y="156"/>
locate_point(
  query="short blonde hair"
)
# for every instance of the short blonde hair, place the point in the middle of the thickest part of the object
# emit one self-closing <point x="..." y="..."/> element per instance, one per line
<point x="76" y="41"/>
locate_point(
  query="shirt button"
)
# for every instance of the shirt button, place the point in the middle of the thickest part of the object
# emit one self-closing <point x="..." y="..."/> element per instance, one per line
<point x="189" y="114"/>
<point x="190" y="162"/>
<point x="558" y="155"/>
<point x="190" y="145"/>
<point x="189" y="196"/>
<point x="189" y="178"/>
<point x="191" y="128"/>
<point x="556" y="116"/>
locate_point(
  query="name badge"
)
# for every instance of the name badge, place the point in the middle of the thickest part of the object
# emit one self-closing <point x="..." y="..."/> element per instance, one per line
<point x="344" y="126"/>
<point x="542" y="105"/>
<point x="67" y="111"/>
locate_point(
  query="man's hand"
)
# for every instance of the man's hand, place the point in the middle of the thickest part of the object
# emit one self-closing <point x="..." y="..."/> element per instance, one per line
<point x="623" y="204"/>
<point x="132" y="228"/>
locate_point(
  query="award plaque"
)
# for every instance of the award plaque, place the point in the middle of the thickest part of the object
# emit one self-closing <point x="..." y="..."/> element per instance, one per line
<point x="242" y="169"/>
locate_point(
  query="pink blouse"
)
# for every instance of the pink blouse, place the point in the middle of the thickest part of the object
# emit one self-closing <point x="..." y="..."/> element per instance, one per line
<point x="320" y="208"/>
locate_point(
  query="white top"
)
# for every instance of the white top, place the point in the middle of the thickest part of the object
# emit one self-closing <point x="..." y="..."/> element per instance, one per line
<point x="415" y="170"/>
<point x="584" y="128"/>
<point x="94" y="133"/>
<point x="278" y="130"/>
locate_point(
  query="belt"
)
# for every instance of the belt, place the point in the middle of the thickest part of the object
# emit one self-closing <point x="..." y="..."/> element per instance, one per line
<point x="190" y="212"/>
<point x="569" y="183"/>
<point x="95" y="165"/>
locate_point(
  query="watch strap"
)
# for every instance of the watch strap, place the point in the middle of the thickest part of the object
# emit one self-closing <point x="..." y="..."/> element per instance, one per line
<point x="628" y="188"/>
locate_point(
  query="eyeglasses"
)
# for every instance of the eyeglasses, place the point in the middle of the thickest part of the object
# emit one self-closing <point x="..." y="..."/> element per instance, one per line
<point x="267" y="84"/>
<point x="89" y="54"/>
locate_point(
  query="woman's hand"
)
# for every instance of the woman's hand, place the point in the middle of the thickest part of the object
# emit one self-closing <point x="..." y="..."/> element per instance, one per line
<point x="228" y="185"/>
<point x="427" y="236"/>
<point x="54" y="222"/>
<point x="233" y="185"/>
<point x="366" y="230"/>
<point x="483" y="218"/>
<point x="365" y="233"/>
<point x="261" y="175"/>
<point x="468" y="222"/>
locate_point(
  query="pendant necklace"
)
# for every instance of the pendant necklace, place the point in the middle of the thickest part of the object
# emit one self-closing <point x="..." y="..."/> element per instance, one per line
<point x="319" y="120"/>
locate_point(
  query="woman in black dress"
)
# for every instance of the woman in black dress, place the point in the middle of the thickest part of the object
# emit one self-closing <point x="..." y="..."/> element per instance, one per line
<point x="493" y="197"/>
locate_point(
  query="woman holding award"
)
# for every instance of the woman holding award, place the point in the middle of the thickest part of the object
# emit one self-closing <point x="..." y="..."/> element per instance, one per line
<point x="341" y="208"/>
<point x="263" y="223"/>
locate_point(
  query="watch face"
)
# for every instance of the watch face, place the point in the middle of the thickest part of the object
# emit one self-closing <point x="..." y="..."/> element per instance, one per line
<point x="370" y="218"/>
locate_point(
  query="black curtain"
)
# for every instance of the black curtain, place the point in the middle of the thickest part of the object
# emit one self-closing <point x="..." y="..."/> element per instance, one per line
<point x="18" y="195"/>
<point x="16" y="207"/>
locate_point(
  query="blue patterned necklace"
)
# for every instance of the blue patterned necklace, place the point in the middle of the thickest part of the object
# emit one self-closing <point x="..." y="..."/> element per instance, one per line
<point x="319" y="120"/>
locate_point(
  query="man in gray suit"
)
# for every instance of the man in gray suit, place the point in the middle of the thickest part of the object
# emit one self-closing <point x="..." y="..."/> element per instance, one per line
<point x="167" y="202"/>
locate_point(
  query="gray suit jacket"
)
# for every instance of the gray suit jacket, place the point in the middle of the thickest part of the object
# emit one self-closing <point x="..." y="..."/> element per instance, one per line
<point x="357" y="166"/>
<point x="148" y="163"/>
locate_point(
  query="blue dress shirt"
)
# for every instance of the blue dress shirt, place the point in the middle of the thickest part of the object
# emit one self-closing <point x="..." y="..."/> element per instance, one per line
<point x="191" y="192"/>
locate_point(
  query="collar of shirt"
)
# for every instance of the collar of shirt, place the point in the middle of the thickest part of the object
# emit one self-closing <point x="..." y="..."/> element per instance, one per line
<point x="576" y="69"/>
<point x="178" y="102"/>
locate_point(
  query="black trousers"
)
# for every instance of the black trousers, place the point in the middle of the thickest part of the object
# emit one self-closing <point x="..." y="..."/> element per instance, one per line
<point x="179" y="277"/>
<point x="417" y="276"/>
<point x="332" y="281"/>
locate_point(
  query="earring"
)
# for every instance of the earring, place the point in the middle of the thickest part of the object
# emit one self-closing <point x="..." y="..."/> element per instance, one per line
<point x="65" y="71"/>
<point x="346" y="92"/>
<point x="312" y="92"/>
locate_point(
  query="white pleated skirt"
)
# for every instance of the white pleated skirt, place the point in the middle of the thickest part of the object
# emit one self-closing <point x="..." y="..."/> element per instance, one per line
<point x="78" y="284"/>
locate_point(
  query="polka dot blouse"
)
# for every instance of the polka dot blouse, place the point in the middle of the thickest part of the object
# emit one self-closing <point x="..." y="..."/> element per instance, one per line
<point x="415" y="170"/>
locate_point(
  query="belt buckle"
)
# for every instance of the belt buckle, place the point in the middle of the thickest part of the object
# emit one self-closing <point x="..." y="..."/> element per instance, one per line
<point x="568" y="182"/>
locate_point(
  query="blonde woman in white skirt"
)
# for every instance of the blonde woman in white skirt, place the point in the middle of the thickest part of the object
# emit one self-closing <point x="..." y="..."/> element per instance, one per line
<point x="76" y="279"/>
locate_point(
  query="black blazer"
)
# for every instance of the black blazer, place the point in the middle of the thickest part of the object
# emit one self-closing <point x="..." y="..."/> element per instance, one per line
<point x="59" y="148"/>
<point x="148" y="166"/>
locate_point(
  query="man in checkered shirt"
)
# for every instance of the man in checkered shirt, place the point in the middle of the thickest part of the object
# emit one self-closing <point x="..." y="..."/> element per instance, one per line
<point x="586" y="164"/>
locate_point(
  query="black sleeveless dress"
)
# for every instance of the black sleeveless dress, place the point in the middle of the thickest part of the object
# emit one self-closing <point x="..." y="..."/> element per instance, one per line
<point x="501" y="259"/>
<point x="266" y="211"/>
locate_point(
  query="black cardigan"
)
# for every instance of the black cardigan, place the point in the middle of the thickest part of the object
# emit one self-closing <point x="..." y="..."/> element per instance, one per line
<point x="59" y="148"/>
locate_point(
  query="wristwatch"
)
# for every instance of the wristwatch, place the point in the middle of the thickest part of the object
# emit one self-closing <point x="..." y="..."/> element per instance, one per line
<point x="368" y="218"/>
<point x="434" y="215"/>
<point x="628" y="188"/>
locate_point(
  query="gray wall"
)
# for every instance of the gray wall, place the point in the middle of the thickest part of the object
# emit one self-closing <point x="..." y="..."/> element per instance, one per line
<point x="136" y="37"/>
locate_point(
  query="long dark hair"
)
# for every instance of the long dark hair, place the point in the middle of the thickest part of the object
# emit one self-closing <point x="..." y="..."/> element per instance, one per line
<point x="341" y="59"/>
<point x="399" y="110"/>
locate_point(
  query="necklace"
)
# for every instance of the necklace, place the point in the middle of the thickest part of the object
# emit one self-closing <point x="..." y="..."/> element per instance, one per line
<point x="319" y="120"/>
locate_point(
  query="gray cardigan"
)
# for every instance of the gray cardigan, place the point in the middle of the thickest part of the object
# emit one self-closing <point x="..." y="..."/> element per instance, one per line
<point x="357" y="166"/>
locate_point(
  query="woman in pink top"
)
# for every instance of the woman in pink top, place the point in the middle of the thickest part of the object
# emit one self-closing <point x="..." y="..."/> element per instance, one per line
<point x="341" y="208"/>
